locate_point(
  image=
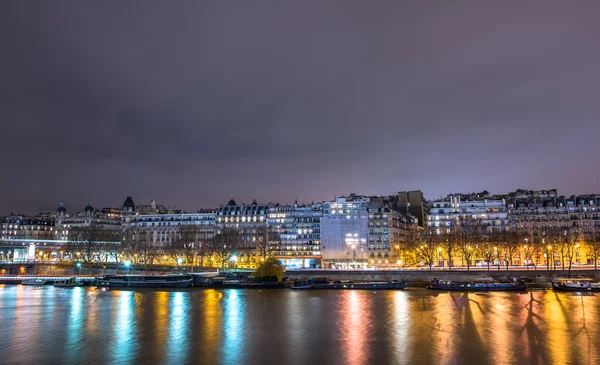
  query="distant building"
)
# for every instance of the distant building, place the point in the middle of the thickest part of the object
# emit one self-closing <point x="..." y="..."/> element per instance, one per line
<point x="299" y="230"/>
<point x="248" y="219"/>
<point x="413" y="203"/>
<point x="160" y="230"/>
<point x="388" y="233"/>
<point x="490" y="210"/>
<point x="107" y="218"/>
<point x="344" y="234"/>
<point x="15" y="228"/>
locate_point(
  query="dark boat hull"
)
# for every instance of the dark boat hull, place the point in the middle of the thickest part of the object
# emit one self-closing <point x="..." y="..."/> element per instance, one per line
<point x="478" y="287"/>
<point x="302" y="287"/>
<point x="266" y="285"/>
<point x="563" y="288"/>
<point x="105" y="283"/>
<point x="363" y="286"/>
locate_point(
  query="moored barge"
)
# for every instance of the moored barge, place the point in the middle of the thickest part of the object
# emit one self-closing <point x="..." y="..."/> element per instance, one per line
<point x="575" y="284"/>
<point x="447" y="285"/>
<point x="145" y="281"/>
<point x="323" y="283"/>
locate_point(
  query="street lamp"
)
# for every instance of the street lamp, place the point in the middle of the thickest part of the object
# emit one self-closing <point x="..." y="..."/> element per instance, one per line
<point x="78" y="267"/>
<point x="234" y="259"/>
<point x="127" y="264"/>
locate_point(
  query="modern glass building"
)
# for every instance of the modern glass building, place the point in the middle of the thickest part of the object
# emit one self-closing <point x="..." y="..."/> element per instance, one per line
<point x="344" y="233"/>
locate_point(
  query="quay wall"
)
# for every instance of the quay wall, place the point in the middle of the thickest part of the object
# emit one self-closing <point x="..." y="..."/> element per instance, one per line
<point x="422" y="277"/>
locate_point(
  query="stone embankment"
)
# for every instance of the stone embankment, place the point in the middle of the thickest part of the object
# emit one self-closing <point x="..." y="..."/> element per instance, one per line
<point x="419" y="278"/>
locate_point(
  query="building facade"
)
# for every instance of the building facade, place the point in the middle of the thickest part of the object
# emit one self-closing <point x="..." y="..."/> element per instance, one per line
<point x="344" y="233"/>
<point x="299" y="231"/>
<point x="491" y="211"/>
<point x="249" y="220"/>
<point x="17" y="232"/>
<point x="388" y="236"/>
<point x="161" y="230"/>
<point x="413" y="203"/>
<point x="105" y="219"/>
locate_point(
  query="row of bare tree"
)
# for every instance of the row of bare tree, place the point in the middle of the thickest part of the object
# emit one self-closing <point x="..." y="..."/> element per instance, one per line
<point x="187" y="246"/>
<point x="470" y="239"/>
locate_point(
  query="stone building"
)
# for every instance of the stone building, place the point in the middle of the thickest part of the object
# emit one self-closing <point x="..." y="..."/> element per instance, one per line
<point x="388" y="234"/>
<point x="490" y="209"/>
<point x="249" y="220"/>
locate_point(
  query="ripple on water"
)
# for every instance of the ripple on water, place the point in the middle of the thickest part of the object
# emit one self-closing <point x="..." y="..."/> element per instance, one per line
<point x="83" y="325"/>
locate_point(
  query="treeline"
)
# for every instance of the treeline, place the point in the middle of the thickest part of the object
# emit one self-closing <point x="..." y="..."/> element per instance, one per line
<point x="187" y="246"/>
<point x="468" y="239"/>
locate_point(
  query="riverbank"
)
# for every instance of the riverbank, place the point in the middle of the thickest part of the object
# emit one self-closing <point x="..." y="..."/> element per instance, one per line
<point x="416" y="278"/>
<point x="420" y="278"/>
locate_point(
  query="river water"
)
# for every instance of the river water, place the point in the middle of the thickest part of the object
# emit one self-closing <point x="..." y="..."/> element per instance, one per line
<point x="85" y="325"/>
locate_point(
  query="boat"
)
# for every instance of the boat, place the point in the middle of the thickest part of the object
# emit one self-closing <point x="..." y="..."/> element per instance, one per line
<point x="68" y="282"/>
<point x="322" y="283"/>
<point x="260" y="285"/>
<point x="575" y="284"/>
<point x="33" y="281"/>
<point x="301" y="285"/>
<point x="437" y="284"/>
<point x="145" y="281"/>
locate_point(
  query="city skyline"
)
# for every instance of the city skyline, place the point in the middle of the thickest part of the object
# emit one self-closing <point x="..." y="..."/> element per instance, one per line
<point x="194" y="104"/>
<point x="79" y="206"/>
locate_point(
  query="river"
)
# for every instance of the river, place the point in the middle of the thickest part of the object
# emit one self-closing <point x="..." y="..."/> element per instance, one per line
<point x="205" y="326"/>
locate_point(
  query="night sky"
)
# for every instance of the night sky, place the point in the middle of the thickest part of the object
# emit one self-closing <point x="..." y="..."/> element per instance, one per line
<point x="194" y="103"/>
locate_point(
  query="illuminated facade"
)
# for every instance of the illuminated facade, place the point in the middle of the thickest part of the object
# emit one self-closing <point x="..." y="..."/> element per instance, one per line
<point x="248" y="219"/>
<point x="14" y="228"/>
<point x="490" y="210"/>
<point x="160" y="230"/>
<point x="299" y="230"/>
<point x="107" y="218"/>
<point x="344" y="232"/>
<point x="388" y="232"/>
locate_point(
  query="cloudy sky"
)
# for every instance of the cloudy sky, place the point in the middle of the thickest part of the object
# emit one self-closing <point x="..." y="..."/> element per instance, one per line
<point x="192" y="103"/>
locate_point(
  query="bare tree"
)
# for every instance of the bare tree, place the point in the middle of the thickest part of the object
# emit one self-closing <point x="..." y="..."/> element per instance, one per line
<point x="267" y="241"/>
<point x="139" y="247"/>
<point x="557" y="237"/>
<point x="87" y="243"/>
<point x="448" y="244"/>
<point x="467" y="233"/>
<point x="427" y="246"/>
<point x="592" y="243"/>
<point x="186" y="244"/>
<point x="511" y="243"/>
<point x="225" y="244"/>
<point x="489" y="249"/>
<point x="571" y="243"/>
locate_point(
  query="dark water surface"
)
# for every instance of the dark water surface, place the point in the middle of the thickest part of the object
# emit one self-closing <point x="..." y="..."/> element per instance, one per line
<point x="84" y="325"/>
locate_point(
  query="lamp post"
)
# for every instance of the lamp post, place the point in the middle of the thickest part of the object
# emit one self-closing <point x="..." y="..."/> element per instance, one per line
<point x="78" y="268"/>
<point x="127" y="264"/>
<point x="234" y="260"/>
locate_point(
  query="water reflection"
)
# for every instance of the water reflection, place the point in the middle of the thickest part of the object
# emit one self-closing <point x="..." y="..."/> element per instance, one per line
<point x="75" y="324"/>
<point x="178" y="344"/>
<point x="355" y="327"/>
<point x="401" y="323"/>
<point x="122" y="349"/>
<point x="83" y="325"/>
<point x="233" y="329"/>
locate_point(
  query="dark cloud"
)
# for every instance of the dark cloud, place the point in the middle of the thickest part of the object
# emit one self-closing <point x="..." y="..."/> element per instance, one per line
<point x="191" y="103"/>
